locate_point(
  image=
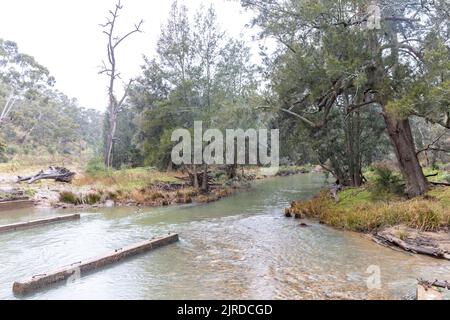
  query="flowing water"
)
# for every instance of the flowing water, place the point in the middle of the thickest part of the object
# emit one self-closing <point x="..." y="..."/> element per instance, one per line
<point x="241" y="247"/>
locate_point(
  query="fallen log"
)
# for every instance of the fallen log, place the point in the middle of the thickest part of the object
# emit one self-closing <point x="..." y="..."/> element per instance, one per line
<point x="436" y="283"/>
<point x="441" y="184"/>
<point x="430" y="251"/>
<point x="37" y="223"/>
<point x="58" y="174"/>
<point x="80" y="268"/>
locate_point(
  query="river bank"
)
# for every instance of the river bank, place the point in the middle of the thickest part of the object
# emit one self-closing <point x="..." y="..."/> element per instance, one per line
<point x="131" y="187"/>
<point x="419" y="225"/>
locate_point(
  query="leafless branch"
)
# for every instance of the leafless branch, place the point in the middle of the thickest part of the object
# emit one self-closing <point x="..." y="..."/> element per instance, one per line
<point x="430" y="146"/>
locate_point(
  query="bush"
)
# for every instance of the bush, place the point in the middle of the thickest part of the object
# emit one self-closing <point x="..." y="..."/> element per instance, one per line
<point x="69" y="197"/>
<point x="387" y="182"/>
<point x="3" y="150"/>
<point x="356" y="212"/>
<point x="95" y="167"/>
<point x="92" y="198"/>
<point x="11" y="150"/>
<point x="447" y="177"/>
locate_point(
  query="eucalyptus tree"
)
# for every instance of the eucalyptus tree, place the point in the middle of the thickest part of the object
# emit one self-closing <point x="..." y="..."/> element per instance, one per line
<point x="165" y="96"/>
<point x="21" y="77"/>
<point x="391" y="54"/>
<point x="199" y="73"/>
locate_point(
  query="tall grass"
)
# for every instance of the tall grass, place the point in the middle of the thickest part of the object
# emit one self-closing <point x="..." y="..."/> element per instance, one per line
<point x="357" y="211"/>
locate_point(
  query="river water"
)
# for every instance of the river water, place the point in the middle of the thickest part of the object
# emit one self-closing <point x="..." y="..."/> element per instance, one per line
<point x="241" y="247"/>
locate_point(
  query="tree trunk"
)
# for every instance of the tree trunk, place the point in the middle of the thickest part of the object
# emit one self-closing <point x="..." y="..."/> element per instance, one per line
<point x="110" y="140"/>
<point x="399" y="132"/>
<point x="205" y="178"/>
<point x="232" y="171"/>
<point x="196" y="186"/>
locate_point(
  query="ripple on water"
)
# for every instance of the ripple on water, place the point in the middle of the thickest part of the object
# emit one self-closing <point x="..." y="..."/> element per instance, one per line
<point x="238" y="248"/>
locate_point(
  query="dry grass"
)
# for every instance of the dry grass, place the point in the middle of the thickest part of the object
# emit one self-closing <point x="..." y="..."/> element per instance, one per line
<point x="357" y="211"/>
<point x="126" y="180"/>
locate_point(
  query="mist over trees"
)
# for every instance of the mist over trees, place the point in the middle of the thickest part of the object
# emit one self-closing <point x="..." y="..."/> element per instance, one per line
<point x="346" y="85"/>
<point x="36" y="118"/>
<point x="198" y="73"/>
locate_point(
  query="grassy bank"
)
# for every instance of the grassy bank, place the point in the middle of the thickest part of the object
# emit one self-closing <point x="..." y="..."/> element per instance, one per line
<point x="137" y="186"/>
<point x="94" y="185"/>
<point x="361" y="210"/>
<point x="380" y="204"/>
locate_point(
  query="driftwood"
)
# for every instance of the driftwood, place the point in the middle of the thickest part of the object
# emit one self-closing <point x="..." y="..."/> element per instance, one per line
<point x="426" y="250"/>
<point x="436" y="283"/>
<point x="440" y="184"/>
<point x="58" y="174"/>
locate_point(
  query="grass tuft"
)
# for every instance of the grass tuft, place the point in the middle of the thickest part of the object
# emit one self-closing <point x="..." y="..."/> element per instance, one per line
<point x="358" y="211"/>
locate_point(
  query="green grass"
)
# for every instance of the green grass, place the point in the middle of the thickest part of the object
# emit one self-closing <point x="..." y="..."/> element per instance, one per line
<point x="442" y="195"/>
<point x="69" y="197"/>
<point x="358" y="211"/>
<point x="354" y="197"/>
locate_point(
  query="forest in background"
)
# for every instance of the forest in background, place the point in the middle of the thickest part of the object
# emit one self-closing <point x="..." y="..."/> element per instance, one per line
<point x="342" y="96"/>
<point x="36" y="120"/>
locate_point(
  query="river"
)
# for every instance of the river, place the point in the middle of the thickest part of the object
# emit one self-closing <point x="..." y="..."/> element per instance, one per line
<point x="241" y="247"/>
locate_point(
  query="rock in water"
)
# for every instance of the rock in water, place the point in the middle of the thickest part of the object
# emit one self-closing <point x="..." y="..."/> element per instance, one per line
<point x="110" y="204"/>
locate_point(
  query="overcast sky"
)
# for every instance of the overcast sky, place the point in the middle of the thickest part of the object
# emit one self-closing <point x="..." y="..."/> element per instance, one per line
<point x="64" y="36"/>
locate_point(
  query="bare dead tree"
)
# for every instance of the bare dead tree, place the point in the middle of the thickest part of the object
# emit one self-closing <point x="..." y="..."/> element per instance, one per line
<point x="110" y="69"/>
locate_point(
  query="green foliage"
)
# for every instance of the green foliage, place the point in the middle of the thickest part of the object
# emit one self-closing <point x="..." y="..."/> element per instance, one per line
<point x="40" y="117"/>
<point x="199" y="74"/>
<point x="359" y="210"/>
<point x="69" y="197"/>
<point x="3" y="151"/>
<point x="92" y="198"/>
<point x="96" y="167"/>
<point x="328" y="62"/>
<point x="386" y="182"/>
<point x="447" y="177"/>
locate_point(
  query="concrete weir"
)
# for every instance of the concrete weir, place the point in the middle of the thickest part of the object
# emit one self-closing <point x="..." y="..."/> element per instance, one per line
<point x="37" y="223"/>
<point x="78" y="268"/>
<point x="16" y="204"/>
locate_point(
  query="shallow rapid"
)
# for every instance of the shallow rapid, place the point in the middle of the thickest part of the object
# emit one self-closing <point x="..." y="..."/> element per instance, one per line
<point x="241" y="247"/>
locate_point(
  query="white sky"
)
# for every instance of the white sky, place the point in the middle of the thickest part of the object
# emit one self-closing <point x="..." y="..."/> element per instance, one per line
<point x="65" y="36"/>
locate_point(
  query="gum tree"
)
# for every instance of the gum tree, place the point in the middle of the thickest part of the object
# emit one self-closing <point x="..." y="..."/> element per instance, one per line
<point x="391" y="54"/>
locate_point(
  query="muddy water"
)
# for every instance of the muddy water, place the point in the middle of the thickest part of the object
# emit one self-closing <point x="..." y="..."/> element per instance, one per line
<point x="238" y="248"/>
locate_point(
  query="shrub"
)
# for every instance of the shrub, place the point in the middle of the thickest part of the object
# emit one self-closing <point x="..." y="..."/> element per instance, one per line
<point x="435" y="166"/>
<point x="92" y="198"/>
<point x="447" y="177"/>
<point x="69" y="197"/>
<point x="95" y="167"/>
<point x="386" y="182"/>
<point x="358" y="213"/>
<point x="11" y="150"/>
